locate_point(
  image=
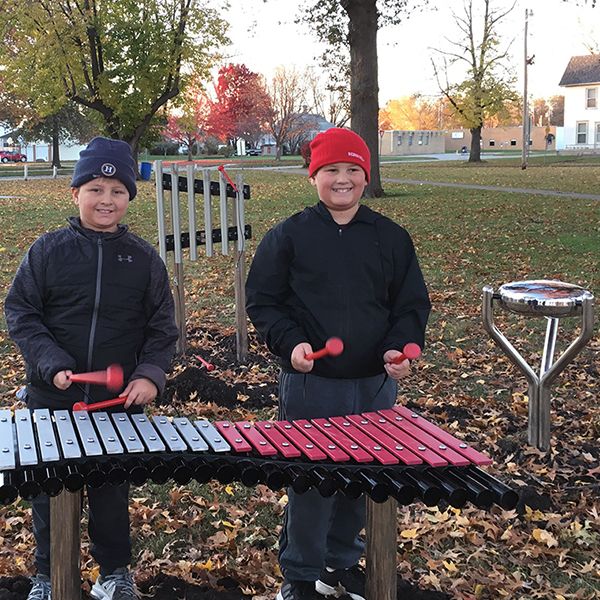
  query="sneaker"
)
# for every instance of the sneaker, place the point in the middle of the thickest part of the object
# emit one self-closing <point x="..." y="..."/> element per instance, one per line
<point x="40" y="590"/>
<point x="116" y="586"/>
<point x="337" y="582"/>
<point x="298" y="590"/>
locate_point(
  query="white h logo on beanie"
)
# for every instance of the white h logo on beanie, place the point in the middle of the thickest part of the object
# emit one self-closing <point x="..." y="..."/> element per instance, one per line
<point x="108" y="169"/>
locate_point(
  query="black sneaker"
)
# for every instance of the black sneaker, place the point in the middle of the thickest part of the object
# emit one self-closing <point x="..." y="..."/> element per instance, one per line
<point x="298" y="590"/>
<point x="336" y="582"/>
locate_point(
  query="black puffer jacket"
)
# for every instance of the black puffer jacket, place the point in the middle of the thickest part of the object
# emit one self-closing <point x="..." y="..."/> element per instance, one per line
<point x="82" y="300"/>
<point x="312" y="279"/>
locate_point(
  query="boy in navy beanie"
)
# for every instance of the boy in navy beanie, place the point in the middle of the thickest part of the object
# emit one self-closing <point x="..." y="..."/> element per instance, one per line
<point x="84" y="297"/>
<point x="335" y="269"/>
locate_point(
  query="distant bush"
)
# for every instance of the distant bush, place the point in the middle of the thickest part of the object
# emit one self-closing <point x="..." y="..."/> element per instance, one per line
<point x="305" y="153"/>
<point x="165" y="148"/>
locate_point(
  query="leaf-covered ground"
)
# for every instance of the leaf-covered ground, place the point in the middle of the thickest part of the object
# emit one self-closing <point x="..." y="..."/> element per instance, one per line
<point x="215" y="541"/>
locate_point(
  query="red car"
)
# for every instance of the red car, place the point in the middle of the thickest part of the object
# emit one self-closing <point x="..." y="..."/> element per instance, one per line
<point x="11" y="156"/>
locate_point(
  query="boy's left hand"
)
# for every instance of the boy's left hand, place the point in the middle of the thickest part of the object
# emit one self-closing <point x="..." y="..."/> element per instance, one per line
<point x="139" y="391"/>
<point x="395" y="371"/>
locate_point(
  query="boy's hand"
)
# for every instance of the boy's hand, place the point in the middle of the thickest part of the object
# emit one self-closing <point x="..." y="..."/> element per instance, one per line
<point x="298" y="358"/>
<point x="61" y="379"/>
<point x="139" y="391"/>
<point x="395" y="371"/>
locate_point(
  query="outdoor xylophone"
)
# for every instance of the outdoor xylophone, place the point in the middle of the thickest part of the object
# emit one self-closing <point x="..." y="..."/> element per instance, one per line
<point x="393" y="452"/>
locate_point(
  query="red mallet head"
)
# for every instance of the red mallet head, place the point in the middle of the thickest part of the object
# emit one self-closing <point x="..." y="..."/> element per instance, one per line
<point x="411" y="351"/>
<point x="112" y="378"/>
<point x="333" y="347"/>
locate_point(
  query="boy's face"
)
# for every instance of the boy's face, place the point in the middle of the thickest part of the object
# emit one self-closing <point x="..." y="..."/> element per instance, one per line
<point x="340" y="187"/>
<point x="102" y="203"/>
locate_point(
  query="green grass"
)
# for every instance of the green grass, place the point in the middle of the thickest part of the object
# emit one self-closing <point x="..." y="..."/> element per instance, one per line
<point x="465" y="239"/>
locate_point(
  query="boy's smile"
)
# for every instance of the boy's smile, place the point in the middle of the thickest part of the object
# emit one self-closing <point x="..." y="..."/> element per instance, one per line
<point x="340" y="187"/>
<point x="102" y="203"/>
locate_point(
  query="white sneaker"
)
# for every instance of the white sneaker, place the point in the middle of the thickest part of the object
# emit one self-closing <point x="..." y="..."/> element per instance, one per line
<point x="118" y="585"/>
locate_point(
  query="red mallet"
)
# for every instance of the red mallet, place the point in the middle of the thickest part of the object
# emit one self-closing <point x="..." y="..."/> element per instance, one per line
<point x="410" y="352"/>
<point x="209" y="366"/>
<point x="112" y="378"/>
<point x="98" y="405"/>
<point x="333" y="347"/>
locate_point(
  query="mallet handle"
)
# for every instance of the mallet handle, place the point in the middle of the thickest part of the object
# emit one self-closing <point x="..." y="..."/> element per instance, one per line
<point x="98" y="405"/>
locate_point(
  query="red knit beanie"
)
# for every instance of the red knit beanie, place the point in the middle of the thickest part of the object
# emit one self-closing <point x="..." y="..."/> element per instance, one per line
<point x="336" y="146"/>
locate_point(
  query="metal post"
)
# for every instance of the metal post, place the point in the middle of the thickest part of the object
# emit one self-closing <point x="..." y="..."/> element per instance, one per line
<point x="240" y="275"/>
<point x="192" y="212"/>
<point x="224" y="216"/>
<point x="208" y="223"/>
<point x="160" y="210"/>
<point x="526" y="63"/>
<point x="178" y="262"/>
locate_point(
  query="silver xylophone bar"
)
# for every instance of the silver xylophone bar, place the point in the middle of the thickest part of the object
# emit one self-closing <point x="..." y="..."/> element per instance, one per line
<point x="387" y="453"/>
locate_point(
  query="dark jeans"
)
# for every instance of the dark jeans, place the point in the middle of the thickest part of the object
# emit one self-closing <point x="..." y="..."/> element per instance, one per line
<point x="317" y="531"/>
<point x="108" y="528"/>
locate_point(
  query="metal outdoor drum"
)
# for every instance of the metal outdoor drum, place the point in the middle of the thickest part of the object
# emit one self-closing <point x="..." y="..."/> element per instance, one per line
<point x="553" y="300"/>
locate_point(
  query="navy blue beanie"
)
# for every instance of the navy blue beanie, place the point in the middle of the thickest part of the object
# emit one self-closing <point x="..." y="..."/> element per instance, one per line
<point x="104" y="157"/>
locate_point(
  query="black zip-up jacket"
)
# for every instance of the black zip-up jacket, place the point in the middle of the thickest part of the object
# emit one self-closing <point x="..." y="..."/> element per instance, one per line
<point x="83" y="300"/>
<point x="312" y="279"/>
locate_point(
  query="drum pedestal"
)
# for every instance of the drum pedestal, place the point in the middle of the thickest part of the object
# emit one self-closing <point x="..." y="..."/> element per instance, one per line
<point x="553" y="300"/>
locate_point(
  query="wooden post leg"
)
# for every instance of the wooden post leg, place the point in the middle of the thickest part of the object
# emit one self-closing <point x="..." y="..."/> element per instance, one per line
<point x="381" y="549"/>
<point x="65" y="547"/>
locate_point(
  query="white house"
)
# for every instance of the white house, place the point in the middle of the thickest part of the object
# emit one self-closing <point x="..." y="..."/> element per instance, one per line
<point x="581" y="83"/>
<point x="37" y="151"/>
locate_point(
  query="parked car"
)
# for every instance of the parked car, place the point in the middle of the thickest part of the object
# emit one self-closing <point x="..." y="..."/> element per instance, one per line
<point x="11" y="156"/>
<point x="253" y="152"/>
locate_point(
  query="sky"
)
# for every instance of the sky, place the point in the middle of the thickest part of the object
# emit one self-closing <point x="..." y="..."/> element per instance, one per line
<point x="264" y="37"/>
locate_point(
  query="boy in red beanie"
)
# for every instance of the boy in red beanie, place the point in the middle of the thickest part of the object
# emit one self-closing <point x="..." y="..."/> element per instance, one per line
<point x="335" y="269"/>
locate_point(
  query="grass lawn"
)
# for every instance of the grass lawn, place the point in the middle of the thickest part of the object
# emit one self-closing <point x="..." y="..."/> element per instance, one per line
<point x="465" y="239"/>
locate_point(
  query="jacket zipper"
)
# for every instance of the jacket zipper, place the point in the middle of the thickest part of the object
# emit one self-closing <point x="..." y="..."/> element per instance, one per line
<point x="96" y="308"/>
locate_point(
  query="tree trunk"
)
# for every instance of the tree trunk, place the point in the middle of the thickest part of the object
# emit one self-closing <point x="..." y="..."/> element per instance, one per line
<point x="475" y="155"/>
<point x="55" y="144"/>
<point x="364" y="87"/>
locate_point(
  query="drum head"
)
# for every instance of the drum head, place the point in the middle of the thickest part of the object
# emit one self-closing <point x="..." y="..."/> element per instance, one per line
<point x="548" y="298"/>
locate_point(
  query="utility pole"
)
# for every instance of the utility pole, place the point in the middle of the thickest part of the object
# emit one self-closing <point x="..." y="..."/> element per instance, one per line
<point x="526" y="62"/>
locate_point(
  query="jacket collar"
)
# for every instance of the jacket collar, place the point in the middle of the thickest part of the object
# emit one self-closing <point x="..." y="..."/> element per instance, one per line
<point x="364" y="214"/>
<point x="75" y="225"/>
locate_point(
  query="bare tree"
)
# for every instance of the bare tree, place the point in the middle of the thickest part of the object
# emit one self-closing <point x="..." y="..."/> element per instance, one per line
<point x="330" y="97"/>
<point x="287" y="91"/>
<point x="489" y="84"/>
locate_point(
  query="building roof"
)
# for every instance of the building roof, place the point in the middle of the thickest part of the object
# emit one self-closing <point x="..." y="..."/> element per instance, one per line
<point x="582" y="70"/>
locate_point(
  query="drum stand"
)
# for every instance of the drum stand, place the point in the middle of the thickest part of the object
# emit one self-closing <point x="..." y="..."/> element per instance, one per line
<point x="552" y="300"/>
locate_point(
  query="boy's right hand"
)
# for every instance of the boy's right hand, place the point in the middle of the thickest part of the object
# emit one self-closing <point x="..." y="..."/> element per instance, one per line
<point x="62" y="379"/>
<point x="298" y="358"/>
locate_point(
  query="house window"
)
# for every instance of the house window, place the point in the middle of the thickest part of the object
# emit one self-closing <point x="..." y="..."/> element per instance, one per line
<point x="513" y="142"/>
<point x="492" y="143"/>
<point x="582" y="132"/>
<point x="597" y="138"/>
<point x="591" y="97"/>
<point x="400" y="140"/>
